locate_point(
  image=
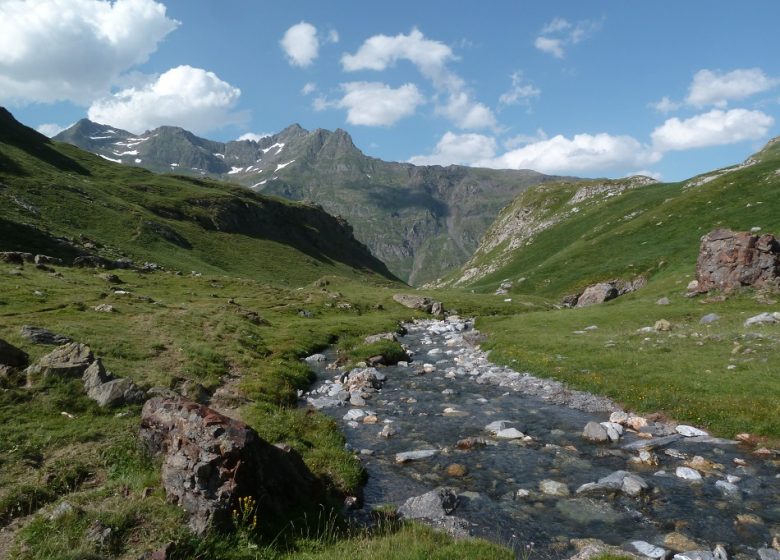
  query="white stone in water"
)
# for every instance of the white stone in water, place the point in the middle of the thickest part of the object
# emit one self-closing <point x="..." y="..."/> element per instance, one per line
<point x="687" y="473"/>
<point x="690" y="431"/>
<point x="733" y="479"/>
<point x="354" y="414"/>
<point x="553" y="488"/>
<point x="649" y="550"/>
<point x="728" y="488"/>
<point x="510" y="433"/>
<point x="403" y="364"/>
<point x="353" y="424"/>
<point x="407" y="456"/>
<point x="434" y="351"/>
<point x="695" y="555"/>
<point x="614" y="430"/>
<point x="497" y="425"/>
<point x="522" y="494"/>
<point x="316" y="358"/>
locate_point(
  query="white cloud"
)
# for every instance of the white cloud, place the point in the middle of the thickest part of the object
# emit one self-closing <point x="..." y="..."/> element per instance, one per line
<point x="560" y="33"/>
<point x="52" y="50"/>
<point x="584" y="153"/>
<point x="308" y="88"/>
<point x="466" y="113"/>
<point x="523" y="139"/>
<point x="333" y="36"/>
<point x="430" y="57"/>
<point x="550" y="46"/>
<point x="375" y="103"/>
<point x="462" y="149"/>
<point x="253" y="136"/>
<point x="183" y="96"/>
<point x="382" y="51"/>
<point x="715" y="128"/>
<point x="714" y="88"/>
<point x="520" y="92"/>
<point x="300" y="44"/>
<point x="50" y="129"/>
<point x="665" y="105"/>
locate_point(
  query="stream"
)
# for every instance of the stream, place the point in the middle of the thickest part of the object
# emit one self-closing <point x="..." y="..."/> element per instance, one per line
<point x="523" y="489"/>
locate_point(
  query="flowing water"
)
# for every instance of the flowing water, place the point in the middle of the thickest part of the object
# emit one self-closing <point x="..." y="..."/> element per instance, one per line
<point x="435" y="410"/>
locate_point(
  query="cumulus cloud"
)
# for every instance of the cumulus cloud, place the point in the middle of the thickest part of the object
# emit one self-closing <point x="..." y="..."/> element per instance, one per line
<point x="375" y="103"/>
<point x="466" y="113"/>
<point x="560" y="34"/>
<point x="308" y="88"/>
<point x="715" y="88"/>
<point x="462" y="149"/>
<point x="300" y="44"/>
<point x="44" y="45"/>
<point x="715" y="128"/>
<point x="584" y="153"/>
<point x="183" y="96"/>
<point x="520" y="92"/>
<point x="253" y="136"/>
<point x="523" y="139"/>
<point x="50" y="129"/>
<point x="665" y="105"/>
<point x="431" y="58"/>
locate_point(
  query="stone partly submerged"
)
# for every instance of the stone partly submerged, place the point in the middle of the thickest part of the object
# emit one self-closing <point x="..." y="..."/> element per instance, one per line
<point x="210" y="461"/>
<point x="729" y="260"/>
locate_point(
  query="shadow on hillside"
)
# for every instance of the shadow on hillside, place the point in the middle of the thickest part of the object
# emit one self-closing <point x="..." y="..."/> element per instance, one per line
<point x="393" y="199"/>
<point x="10" y="167"/>
<point x="22" y="237"/>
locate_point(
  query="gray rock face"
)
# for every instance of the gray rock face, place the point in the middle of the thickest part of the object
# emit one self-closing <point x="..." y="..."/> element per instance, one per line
<point x="210" y="460"/>
<point x="431" y="505"/>
<point x="728" y="260"/>
<point x="69" y="360"/>
<point x="39" y="335"/>
<point x="12" y="356"/>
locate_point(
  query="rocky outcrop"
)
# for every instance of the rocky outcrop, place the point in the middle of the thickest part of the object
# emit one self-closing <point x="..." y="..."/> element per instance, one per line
<point x="603" y="292"/>
<point x="210" y="461"/>
<point x="729" y="260"/>
<point x="420" y="302"/>
<point x="68" y="360"/>
<point x="39" y="335"/>
<point x="431" y="505"/>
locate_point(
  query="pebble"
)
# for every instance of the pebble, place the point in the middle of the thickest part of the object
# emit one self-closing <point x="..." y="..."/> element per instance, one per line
<point x="687" y="473"/>
<point x="407" y="456"/>
<point x="510" y="433"/>
<point x="553" y="488"/>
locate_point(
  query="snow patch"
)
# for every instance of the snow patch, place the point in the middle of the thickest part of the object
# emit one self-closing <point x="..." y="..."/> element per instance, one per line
<point x="138" y="160"/>
<point x="235" y="170"/>
<point x="279" y="145"/>
<point x="283" y="165"/>
<point x="98" y="137"/>
<point x="263" y="182"/>
<point x="219" y="155"/>
<point x="110" y="159"/>
<point x="127" y="153"/>
<point x="174" y="165"/>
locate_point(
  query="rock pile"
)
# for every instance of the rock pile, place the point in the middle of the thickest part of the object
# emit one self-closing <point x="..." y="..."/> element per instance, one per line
<point x="210" y="461"/>
<point x="420" y="302"/>
<point x="729" y="260"/>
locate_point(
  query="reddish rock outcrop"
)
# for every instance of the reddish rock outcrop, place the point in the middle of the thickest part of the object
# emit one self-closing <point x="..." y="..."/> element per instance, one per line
<point x="210" y="461"/>
<point x="729" y="260"/>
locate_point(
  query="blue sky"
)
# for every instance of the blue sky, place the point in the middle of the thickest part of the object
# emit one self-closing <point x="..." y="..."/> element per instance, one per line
<point x="598" y="88"/>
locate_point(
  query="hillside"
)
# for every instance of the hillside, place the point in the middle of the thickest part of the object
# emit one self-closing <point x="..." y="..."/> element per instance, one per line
<point x="422" y="221"/>
<point x="559" y="237"/>
<point x="62" y="201"/>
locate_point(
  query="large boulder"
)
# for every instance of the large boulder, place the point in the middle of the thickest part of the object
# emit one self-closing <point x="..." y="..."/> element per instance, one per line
<point x="210" y="461"/>
<point x="597" y="293"/>
<point x="729" y="260"/>
<point x="431" y="505"/>
<point x="420" y="302"/>
<point x="68" y="360"/>
<point x="12" y="356"/>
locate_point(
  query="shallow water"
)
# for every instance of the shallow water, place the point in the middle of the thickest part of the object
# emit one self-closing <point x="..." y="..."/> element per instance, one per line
<point x="488" y="493"/>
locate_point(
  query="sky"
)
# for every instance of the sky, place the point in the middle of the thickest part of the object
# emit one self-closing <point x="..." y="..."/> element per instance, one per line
<point x="664" y="88"/>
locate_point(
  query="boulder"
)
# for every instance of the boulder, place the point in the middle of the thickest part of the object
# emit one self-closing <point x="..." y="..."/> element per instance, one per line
<point x="68" y="360"/>
<point x="419" y="302"/>
<point x="12" y="356"/>
<point x="45" y="259"/>
<point x="39" y="335"/>
<point x="597" y="293"/>
<point x="359" y="379"/>
<point x="765" y="318"/>
<point x="553" y="488"/>
<point x="729" y="260"/>
<point x="379" y="337"/>
<point x="431" y="505"/>
<point x="107" y="390"/>
<point x="595" y="432"/>
<point x="16" y="257"/>
<point x="210" y="461"/>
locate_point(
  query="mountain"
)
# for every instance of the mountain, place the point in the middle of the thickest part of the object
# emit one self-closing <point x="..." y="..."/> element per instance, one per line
<point x="558" y="237"/>
<point x="422" y="221"/>
<point x="62" y="201"/>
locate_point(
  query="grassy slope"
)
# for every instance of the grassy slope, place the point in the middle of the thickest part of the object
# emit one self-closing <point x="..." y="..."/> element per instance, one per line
<point x="169" y="327"/>
<point x="684" y="373"/>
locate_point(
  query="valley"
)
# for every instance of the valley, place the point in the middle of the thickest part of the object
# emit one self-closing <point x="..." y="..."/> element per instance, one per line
<point x="216" y="293"/>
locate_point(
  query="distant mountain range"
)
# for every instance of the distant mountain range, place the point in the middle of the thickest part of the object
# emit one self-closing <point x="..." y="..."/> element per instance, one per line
<point x="422" y="221"/>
